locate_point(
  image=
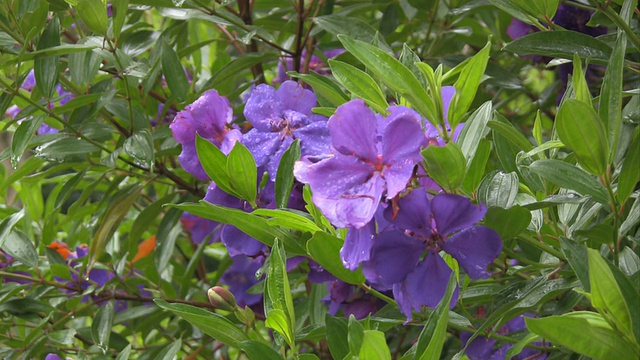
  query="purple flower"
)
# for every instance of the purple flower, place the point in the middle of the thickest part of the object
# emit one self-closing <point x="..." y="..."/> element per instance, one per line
<point x="405" y="256"/>
<point x="278" y="118"/>
<point x="241" y="276"/>
<point x="372" y="155"/>
<point x="210" y="116"/>
<point x="351" y="299"/>
<point x="198" y="227"/>
<point x="482" y="348"/>
<point x="236" y="241"/>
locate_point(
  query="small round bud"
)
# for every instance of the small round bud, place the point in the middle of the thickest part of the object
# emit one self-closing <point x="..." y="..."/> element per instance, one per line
<point x="221" y="298"/>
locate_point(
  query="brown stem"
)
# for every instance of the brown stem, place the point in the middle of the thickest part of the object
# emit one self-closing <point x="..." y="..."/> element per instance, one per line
<point x="246" y="16"/>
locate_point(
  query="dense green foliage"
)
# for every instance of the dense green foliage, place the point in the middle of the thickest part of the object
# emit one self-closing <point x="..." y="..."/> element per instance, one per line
<point x="98" y="260"/>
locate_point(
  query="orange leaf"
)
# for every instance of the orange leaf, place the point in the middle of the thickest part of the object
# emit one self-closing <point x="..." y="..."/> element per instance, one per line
<point x="145" y="248"/>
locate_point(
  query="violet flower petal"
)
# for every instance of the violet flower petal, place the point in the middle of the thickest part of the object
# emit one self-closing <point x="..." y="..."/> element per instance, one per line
<point x="425" y="285"/>
<point x="263" y="108"/>
<point x="414" y="213"/>
<point x="357" y="246"/>
<point x="474" y="248"/>
<point x="455" y="212"/>
<point x="393" y="256"/>
<point x="353" y="130"/>
<point x="262" y="145"/>
<point x="294" y="97"/>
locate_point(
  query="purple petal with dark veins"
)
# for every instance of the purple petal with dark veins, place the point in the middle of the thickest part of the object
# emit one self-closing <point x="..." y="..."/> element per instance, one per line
<point x="263" y="108"/>
<point x="425" y="285"/>
<point x="294" y="97"/>
<point x="455" y="212"/>
<point x="262" y="145"/>
<point x="393" y="256"/>
<point x="274" y="162"/>
<point x="239" y="243"/>
<point x="414" y="213"/>
<point x="315" y="139"/>
<point x="474" y="248"/>
<point x="353" y="130"/>
<point x="357" y="246"/>
<point x="333" y="177"/>
<point x="356" y="207"/>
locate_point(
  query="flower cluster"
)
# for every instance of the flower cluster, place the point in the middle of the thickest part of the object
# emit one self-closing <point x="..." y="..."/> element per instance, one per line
<point x="361" y="167"/>
<point x="29" y="84"/>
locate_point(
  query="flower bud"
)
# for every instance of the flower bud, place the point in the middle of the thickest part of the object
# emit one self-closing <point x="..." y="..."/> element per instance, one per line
<point x="221" y="298"/>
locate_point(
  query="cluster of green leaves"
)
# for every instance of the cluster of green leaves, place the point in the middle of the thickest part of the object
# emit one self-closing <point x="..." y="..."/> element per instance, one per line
<point x="560" y="183"/>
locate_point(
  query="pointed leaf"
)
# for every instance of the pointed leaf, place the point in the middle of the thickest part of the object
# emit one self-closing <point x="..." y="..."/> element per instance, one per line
<point x="570" y="177"/>
<point x="360" y="84"/>
<point x="580" y="128"/>
<point x="214" y="325"/>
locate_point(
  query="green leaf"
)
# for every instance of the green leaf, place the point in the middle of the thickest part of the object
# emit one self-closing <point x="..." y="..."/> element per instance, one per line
<point x="576" y="255"/>
<point x="360" y="84"/>
<point x="632" y="219"/>
<point x="323" y="87"/>
<point x="280" y="293"/>
<point x="433" y="334"/>
<point x="212" y="324"/>
<point x="561" y="44"/>
<point x="284" y="175"/>
<point x="508" y="222"/>
<point x="94" y="15"/>
<point x="168" y="232"/>
<point x="337" y="335"/>
<point x="325" y="250"/>
<point x="214" y="163"/>
<point x="277" y="320"/>
<point x="235" y="67"/>
<point x="110" y="222"/>
<point x="477" y="166"/>
<point x="612" y="85"/>
<point x="570" y="177"/>
<point x="20" y="247"/>
<point x="467" y="84"/>
<point x="46" y="68"/>
<point x="23" y="135"/>
<point x="140" y="147"/>
<point x="291" y="219"/>
<point x="606" y="295"/>
<point x="252" y="225"/>
<point x="446" y="165"/>
<point x="338" y="24"/>
<point x="119" y="10"/>
<point x="169" y="351"/>
<point x="630" y="173"/>
<point x="473" y="131"/>
<point x="580" y="128"/>
<point x="243" y="173"/>
<point x="101" y="326"/>
<point x="146" y="218"/>
<point x="125" y="353"/>
<point x="580" y="86"/>
<point x="511" y="134"/>
<point x="7" y="224"/>
<point x="355" y="335"/>
<point x="65" y="148"/>
<point x="374" y="346"/>
<point x="68" y="187"/>
<point x="395" y="75"/>
<point x="174" y="72"/>
<point x="499" y="189"/>
<point x="586" y="333"/>
<point x="259" y="351"/>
